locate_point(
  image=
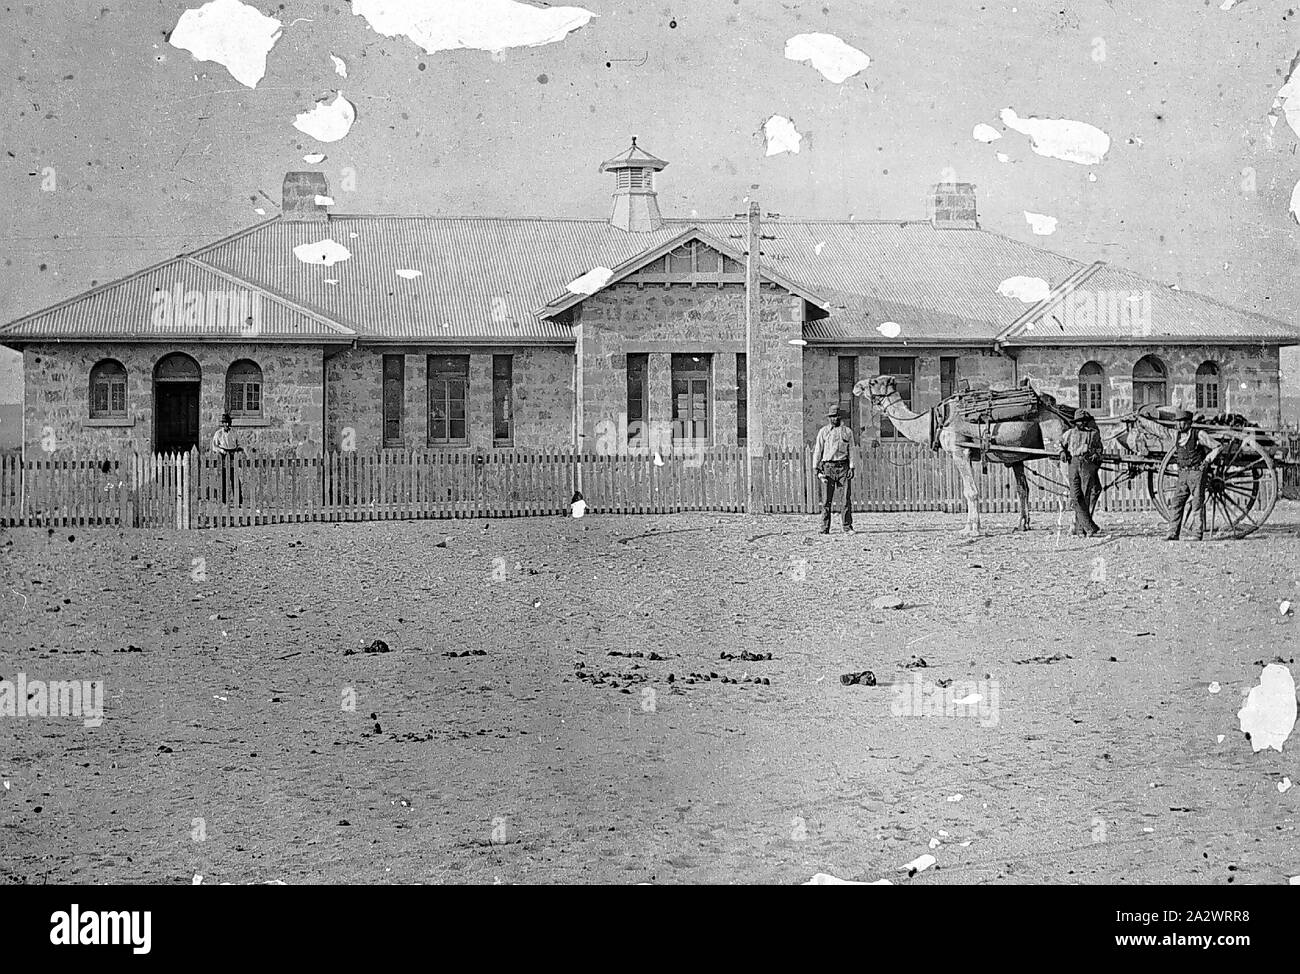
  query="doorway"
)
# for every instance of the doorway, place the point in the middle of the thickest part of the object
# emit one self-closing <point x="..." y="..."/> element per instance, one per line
<point x="176" y="385"/>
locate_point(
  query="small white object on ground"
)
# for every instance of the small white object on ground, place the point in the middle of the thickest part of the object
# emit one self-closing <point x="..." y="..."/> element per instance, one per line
<point x="1214" y="687"/>
<point x="935" y="843"/>
<point x="919" y="864"/>
<point x="1284" y="785"/>
<point x="1220" y="739"/>
<point x="579" y="508"/>
<point x="954" y="798"/>
<point x="1284" y="607"/>
<point x="197" y="880"/>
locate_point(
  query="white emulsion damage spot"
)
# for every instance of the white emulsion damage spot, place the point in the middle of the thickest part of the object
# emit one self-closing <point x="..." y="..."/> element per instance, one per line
<point x="481" y="25"/>
<point x="592" y="281"/>
<point x="1060" y="138"/>
<point x="1287" y="100"/>
<point x="1040" y="223"/>
<point x="314" y="158"/>
<point x="890" y="329"/>
<point x="985" y="133"/>
<point x="1270" y="710"/>
<point x="781" y="135"/>
<point x="408" y="273"/>
<point x="233" y="34"/>
<point x="1295" y="203"/>
<point x="836" y="60"/>
<point x="1030" y="290"/>
<point x="328" y="121"/>
<point x="326" y="252"/>
<point x="340" y="66"/>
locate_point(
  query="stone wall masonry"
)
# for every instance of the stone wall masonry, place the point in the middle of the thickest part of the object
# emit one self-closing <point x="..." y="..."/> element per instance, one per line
<point x="1248" y="374"/>
<point x="705" y="318"/>
<point x="542" y="396"/>
<point x="56" y="408"/>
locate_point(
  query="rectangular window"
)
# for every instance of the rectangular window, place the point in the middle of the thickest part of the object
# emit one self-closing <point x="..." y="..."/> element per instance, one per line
<point x="947" y="376"/>
<point x="394" y="398"/>
<point x="903" y="371"/>
<point x="742" y="399"/>
<point x="503" y="425"/>
<point x="448" y="392"/>
<point x="638" y="369"/>
<point x="848" y="378"/>
<point x="690" y="392"/>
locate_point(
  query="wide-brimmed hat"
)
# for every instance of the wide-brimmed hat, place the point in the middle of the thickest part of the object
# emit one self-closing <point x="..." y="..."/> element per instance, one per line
<point x="833" y="411"/>
<point x="1182" y="416"/>
<point x="1082" y="416"/>
<point x="225" y="418"/>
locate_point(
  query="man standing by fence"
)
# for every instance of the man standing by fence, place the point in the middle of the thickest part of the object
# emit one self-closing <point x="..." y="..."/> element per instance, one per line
<point x="835" y="463"/>
<point x="1081" y="448"/>
<point x="225" y="444"/>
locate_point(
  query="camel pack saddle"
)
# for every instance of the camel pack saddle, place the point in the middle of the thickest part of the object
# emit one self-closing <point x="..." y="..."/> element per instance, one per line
<point x="984" y="406"/>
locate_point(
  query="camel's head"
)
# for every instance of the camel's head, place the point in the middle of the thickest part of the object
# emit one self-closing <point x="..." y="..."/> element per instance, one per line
<point x="881" y="387"/>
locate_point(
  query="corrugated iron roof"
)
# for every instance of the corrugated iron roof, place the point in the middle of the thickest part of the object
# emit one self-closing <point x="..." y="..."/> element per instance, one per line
<point x="178" y="299"/>
<point x="1114" y="305"/>
<point x="485" y="280"/>
<point x="481" y="278"/>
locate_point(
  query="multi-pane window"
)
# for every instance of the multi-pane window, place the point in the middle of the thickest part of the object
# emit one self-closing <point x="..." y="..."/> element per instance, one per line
<point x="1149" y="382"/>
<point x="107" y="390"/>
<point x="903" y="371"/>
<point x="742" y="399"/>
<point x="244" y="389"/>
<point x="690" y="392"/>
<point x="848" y="378"/>
<point x="1207" y="386"/>
<point x="638" y="368"/>
<point x="448" y="391"/>
<point x="394" y="398"/>
<point x="947" y="376"/>
<point x="1092" y="381"/>
<point x="503" y="424"/>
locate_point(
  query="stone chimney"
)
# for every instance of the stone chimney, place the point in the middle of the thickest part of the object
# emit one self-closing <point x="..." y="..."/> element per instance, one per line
<point x="952" y="207"/>
<point x="636" y="209"/>
<point x="298" y="197"/>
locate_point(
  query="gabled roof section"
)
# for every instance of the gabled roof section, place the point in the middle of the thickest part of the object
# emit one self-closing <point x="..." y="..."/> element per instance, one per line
<point x="1109" y="305"/>
<point x="180" y="298"/>
<point x="568" y="298"/>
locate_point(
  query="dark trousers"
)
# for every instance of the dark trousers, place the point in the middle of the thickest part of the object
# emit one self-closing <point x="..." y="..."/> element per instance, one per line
<point x="836" y="473"/>
<point x="1191" y="485"/>
<point x="232" y="491"/>
<point x="1084" y="488"/>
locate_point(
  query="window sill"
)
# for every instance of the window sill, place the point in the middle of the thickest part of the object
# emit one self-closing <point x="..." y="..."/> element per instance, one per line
<point x="249" y="421"/>
<point x="108" y="421"/>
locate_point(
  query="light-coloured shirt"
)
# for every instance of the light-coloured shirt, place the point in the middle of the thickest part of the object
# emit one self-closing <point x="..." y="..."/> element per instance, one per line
<point x="834" y="443"/>
<point x="1081" y="443"/>
<point x="224" y="440"/>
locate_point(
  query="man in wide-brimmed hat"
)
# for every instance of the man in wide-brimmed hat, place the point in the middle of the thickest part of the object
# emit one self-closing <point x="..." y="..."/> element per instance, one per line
<point x="225" y="444"/>
<point x="1081" y="449"/>
<point x="835" y="463"/>
<point x="1193" y="450"/>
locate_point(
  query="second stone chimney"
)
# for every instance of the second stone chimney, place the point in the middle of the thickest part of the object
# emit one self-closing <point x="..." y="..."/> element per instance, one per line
<point x="952" y="206"/>
<point x="305" y="196"/>
<point x="636" y="208"/>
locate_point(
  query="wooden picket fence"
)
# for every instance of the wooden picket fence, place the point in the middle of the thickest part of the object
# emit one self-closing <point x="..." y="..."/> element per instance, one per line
<point x="198" y="490"/>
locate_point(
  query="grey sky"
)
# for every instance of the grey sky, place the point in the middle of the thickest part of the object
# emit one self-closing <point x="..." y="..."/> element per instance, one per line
<point x="155" y="153"/>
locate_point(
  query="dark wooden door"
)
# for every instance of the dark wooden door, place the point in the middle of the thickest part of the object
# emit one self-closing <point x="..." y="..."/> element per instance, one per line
<point x="176" y="416"/>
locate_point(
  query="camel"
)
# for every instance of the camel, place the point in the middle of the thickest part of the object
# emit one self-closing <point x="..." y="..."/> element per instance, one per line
<point x="1040" y="431"/>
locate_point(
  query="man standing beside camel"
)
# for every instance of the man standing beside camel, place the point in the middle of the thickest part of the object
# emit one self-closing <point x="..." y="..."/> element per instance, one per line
<point x="835" y="463"/>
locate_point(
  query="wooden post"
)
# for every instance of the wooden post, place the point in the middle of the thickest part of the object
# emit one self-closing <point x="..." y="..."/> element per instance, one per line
<point x="755" y="492"/>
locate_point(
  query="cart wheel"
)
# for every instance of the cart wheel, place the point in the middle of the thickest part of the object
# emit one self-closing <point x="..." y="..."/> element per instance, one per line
<point x="1240" y="489"/>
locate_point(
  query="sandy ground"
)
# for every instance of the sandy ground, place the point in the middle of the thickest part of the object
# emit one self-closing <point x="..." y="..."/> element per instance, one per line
<point x="1101" y="766"/>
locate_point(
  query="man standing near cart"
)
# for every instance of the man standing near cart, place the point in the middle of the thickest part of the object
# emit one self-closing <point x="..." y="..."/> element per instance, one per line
<point x="1193" y="450"/>
<point x="835" y="463"/>
<point x="1081" y="449"/>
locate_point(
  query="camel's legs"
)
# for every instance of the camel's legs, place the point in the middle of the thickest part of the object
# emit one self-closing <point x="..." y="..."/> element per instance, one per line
<point x="970" y="490"/>
<point x="1022" y="486"/>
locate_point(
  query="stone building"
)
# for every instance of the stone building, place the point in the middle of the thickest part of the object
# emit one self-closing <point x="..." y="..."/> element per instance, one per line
<point x="321" y="331"/>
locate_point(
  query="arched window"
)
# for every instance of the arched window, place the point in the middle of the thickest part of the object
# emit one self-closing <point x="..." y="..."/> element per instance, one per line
<point x="1207" y="386"/>
<point x="1092" y="380"/>
<point x="244" y="389"/>
<point x="108" y="390"/>
<point x="176" y="367"/>
<point x="1150" y="382"/>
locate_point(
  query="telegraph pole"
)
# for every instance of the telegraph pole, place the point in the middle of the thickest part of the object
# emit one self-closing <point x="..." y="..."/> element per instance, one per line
<point x="755" y="493"/>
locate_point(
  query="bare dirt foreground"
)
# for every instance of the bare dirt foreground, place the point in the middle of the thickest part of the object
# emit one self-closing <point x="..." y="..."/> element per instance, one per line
<point x="227" y="748"/>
